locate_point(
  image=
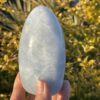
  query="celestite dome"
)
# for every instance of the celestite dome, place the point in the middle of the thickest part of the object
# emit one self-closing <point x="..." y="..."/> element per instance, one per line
<point x="42" y="51"/>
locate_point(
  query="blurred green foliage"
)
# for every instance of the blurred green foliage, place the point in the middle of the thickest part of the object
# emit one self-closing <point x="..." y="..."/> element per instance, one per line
<point x="81" y="26"/>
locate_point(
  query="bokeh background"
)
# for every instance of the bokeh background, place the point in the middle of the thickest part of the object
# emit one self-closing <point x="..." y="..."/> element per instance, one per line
<point x="80" y="20"/>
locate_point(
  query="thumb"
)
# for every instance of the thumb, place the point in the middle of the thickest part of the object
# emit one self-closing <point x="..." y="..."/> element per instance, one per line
<point x="42" y="92"/>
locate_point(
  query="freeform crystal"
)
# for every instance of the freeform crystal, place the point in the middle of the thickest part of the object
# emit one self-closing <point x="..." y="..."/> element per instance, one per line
<point x="42" y="51"/>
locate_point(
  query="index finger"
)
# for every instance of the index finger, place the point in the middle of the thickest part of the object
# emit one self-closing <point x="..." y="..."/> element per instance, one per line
<point x="18" y="92"/>
<point x="64" y="93"/>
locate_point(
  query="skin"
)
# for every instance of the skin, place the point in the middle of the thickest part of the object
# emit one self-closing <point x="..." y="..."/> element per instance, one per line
<point x="42" y="93"/>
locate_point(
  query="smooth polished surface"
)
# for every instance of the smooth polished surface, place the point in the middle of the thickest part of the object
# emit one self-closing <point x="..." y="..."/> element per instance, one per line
<point x="42" y="51"/>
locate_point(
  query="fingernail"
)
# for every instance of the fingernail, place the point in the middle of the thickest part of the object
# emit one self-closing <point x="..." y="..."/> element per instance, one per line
<point x="45" y="89"/>
<point x="59" y="97"/>
<point x="39" y="87"/>
<point x="46" y="92"/>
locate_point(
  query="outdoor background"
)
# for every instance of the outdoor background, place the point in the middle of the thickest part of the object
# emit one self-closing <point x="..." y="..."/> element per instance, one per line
<point x="80" y="21"/>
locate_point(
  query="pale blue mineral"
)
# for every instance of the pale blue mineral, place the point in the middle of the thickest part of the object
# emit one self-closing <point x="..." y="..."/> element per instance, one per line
<point x="42" y="51"/>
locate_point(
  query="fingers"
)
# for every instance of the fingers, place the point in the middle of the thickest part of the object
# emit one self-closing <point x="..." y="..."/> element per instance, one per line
<point x="42" y="91"/>
<point x="64" y="93"/>
<point x="18" y="92"/>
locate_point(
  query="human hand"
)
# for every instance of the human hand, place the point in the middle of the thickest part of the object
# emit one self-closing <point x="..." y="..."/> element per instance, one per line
<point x="42" y="93"/>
